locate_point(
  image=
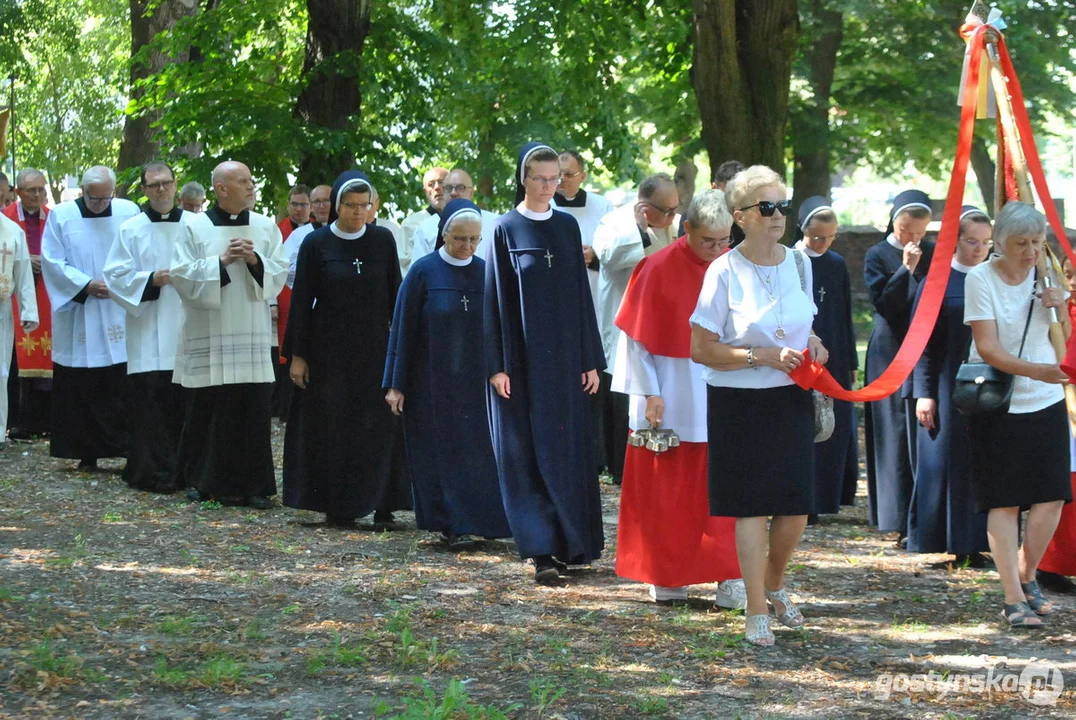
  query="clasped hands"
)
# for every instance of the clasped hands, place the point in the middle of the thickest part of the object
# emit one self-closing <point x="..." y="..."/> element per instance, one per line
<point x="240" y="249"/>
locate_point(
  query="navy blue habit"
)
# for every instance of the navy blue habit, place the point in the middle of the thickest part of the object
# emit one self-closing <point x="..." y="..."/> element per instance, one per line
<point x="436" y="360"/>
<point x="343" y="447"/>
<point x="541" y="330"/>
<point x="889" y="453"/>
<point x="941" y="516"/>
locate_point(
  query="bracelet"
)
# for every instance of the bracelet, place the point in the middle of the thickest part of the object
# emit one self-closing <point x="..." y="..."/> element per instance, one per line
<point x="751" y="357"/>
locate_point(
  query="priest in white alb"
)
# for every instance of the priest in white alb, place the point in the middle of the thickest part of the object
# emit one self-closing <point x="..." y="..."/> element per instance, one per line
<point x="16" y="279"/>
<point x="89" y="351"/>
<point x="136" y="273"/>
<point x="623" y="238"/>
<point x="227" y="264"/>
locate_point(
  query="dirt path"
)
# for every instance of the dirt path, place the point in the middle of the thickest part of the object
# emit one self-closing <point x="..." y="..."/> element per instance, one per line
<point x="116" y="604"/>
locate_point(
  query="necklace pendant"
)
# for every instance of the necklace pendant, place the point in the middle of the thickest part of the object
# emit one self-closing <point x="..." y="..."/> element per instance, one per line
<point x="780" y="333"/>
<point x="772" y="298"/>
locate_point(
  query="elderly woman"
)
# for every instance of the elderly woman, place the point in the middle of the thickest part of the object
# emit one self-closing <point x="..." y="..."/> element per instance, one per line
<point x="666" y="536"/>
<point x="343" y="449"/>
<point x="434" y="345"/>
<point x="543" y="355"/>
<point x="893" y="270"/>
<point x="942" y="517"/>
<point x="752" y="322"/>
<point x="1020" y="458"/>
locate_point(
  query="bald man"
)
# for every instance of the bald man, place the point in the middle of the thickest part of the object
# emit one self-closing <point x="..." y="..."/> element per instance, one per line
<point x="433" y="184"/>
<point x="228" y="262"/>
<point x="458" y="184"/>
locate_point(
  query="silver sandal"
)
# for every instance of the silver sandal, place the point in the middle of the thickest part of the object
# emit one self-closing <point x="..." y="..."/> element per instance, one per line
<point x="758" y="630"/>
<point x="790" y="616"/>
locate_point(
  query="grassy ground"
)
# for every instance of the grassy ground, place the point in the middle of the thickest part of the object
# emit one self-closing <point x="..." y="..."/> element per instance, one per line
<point x="116" y="604"/>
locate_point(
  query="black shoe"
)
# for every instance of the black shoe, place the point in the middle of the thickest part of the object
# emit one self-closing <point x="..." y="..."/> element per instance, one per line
<point x="460" y="542"/>
<point x="383" y="519"/>
<point x="545" y="570"/>
<point x="1055" y="583"/>
<point x="561" y="567"/>
<point x="87" y="465"/>
<point x="194" y="495"/>
<point x="342" y="523"/>
<point x="260" y="503"/>
<point x="902" y="542"/>
<point x="975" y="560"/>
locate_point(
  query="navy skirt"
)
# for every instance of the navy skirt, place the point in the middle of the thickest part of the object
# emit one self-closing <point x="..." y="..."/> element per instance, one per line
<point x="761" y="451"/>
<point x="1019" y="460"/>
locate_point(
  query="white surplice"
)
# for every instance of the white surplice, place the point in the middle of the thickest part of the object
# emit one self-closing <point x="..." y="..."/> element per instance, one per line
<point x="226" y="329"/>
<point x="678" y="381"/>
<point x="87" y="332"/>
<point x="619" y="247"/>
<point x="408" y="227"/>
<point x="16" y="279"/>
<point x="144" y="246"/>
<point x="589" y="216"/>
<point x="425" y="237"/>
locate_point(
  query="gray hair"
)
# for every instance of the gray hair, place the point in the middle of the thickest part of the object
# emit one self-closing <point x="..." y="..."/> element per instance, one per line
<point x="744" y="187"/>
<point x="708" y="210"/>
<point x="1017" y="218"/>
<point x="192" y="190"/>
<point x="98" y="174"/>
<point x="26" y="175"/>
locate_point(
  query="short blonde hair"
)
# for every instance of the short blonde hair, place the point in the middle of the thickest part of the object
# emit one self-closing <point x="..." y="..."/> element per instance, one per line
<point x="707" y="210"/>
<point x="743" y="189"/>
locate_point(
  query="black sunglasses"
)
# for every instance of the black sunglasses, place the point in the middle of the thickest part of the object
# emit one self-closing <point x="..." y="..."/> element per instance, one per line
<point x="767" y="208"/>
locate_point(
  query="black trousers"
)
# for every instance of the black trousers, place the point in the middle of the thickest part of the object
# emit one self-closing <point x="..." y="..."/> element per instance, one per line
<point x="614" y="426"/>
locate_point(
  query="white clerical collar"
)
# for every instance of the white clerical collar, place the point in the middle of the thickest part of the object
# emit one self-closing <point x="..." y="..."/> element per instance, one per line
<point x="451" y="260"/>
<point x="960" y="267"/>
<point x="892" y="240"/>
<point x="803" y="247"/>
<point x="531" y="215"/>
<point x="346" y="235"/>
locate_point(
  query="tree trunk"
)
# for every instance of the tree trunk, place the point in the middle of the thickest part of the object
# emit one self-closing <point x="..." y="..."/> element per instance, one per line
<point x="984" y="169"/>
<point x="741" y="73"/>
<point x="148" y="18"/>
<point x="812" y="172"/>
<point x="685" y="177"/>
<point x="330" y="100"/>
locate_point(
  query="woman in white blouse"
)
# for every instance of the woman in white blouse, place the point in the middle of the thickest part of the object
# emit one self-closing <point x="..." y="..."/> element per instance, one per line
<point x="1019" y="459"/>
<point x="750" y="327"/>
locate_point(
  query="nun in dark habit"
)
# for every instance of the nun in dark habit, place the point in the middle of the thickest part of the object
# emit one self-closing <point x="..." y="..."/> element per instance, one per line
<point x="836" y="461"/>
<point x="343" y="449"/>
<point x="893" y="270"/>
<point x="435" y="379"/>
<point x="941" y="515"/>
<point x="543" y="355"/>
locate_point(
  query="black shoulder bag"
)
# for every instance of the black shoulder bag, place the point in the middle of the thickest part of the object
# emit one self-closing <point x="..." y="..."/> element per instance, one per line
<point x="982" y="389"/>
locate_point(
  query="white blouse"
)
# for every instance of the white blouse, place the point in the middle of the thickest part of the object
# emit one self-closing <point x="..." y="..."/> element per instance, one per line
<point x="988" y="297"/>
<point x="735" y="303"/>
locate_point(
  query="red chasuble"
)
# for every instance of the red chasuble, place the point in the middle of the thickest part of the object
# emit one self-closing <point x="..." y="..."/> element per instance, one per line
<point x="283" y="300"/>
<point x="1060" y="557"/>
<point x="665" y="535"/>
<point x="34" y="350"/>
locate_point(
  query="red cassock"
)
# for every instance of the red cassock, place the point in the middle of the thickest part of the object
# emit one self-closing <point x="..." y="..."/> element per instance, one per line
<point x="1060" y="557"/>
<point x="666" y="535"/>
<point x="34" y="350"/>
<point x="283" y="300"/>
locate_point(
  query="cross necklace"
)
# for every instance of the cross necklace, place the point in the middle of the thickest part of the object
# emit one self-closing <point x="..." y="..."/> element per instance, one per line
<point x="358" y="266"/>
<point x="548" y="258"/>
<point x="465" y="302"/>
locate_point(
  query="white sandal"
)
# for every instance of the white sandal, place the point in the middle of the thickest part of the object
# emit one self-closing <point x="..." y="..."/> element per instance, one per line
<point x="758" y="630"/>
<point x="790" y="616"/>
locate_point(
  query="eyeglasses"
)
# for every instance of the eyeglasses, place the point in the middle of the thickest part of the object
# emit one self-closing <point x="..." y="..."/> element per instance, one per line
<point x="545" y="181"/>
<point x="456" y="188"/>
<point x="319" y="202"/>
<point x="767" y="208"/>
<point x="472" y="239"/>
<point x="978" y="244"/>
<point x="98" y="200"/>
<point x="162" y="185"/>
<point x="356" y="205"/>
<point x="670" y="212"/>
<point x="299" y="204"/>
<point x="571" y="175"/>
<point x="719" y="241"/>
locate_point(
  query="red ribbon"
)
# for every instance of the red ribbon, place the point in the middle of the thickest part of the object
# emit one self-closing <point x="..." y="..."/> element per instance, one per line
<point x="811" y="375"/>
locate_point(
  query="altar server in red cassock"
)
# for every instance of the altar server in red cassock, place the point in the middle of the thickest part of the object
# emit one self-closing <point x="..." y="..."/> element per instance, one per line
<point x="666" y="536"/>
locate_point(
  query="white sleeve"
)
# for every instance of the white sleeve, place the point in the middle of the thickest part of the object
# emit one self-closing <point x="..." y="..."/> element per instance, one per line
<point x="617" y="246"/>
<point x="195" y="277"/>
<point x="62" y="280"/>
<point x="712" y="309"/>
<point x="275" y="267"/>
<point x="634" y="371"/>
<point x="23" y="275"/>
<point x="978" y="305"/>
<point x="125" y="282"/>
